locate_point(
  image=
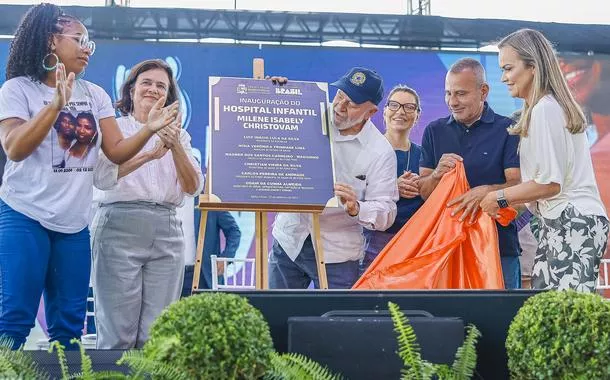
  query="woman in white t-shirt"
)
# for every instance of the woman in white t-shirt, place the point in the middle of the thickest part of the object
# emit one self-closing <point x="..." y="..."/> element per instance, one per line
<point x="138" y="243"/>
<point x="558" y="180"/>
<point x="44" y="203"/>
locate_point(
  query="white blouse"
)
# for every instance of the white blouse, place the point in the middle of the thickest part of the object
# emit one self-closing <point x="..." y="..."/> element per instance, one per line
<point x="551" y="153"/>
<point x="156" y="181"/>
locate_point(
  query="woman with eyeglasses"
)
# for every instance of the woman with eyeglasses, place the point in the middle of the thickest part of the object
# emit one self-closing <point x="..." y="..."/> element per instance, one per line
<point x="44" y="211"/>
<point x="400" y="114"/>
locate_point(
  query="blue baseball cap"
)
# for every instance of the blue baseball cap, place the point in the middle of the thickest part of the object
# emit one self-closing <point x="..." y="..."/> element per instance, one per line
<point x="361" y="85"/>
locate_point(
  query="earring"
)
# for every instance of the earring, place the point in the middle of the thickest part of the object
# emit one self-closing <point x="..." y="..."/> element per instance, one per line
<point x="50" y="68"/>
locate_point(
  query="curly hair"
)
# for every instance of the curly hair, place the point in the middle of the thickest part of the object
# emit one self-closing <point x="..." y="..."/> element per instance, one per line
<point x="32" y="41"/>
<point x="125" y="104"/>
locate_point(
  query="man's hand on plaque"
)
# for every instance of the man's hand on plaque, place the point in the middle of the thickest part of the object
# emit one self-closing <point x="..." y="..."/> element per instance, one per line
<point x="277" y="80"/>
<point x="348" y="198"/>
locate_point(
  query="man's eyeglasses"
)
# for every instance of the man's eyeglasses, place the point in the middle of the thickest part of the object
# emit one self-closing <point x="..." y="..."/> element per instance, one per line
<point x="83" y="41"/>
<point x="408" y="107"/>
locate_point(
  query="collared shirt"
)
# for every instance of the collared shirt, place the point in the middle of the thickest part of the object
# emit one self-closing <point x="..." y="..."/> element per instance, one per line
<point x="367" y="155"/>
<point x="156" y="181"/>
<point x="487" y="150"/>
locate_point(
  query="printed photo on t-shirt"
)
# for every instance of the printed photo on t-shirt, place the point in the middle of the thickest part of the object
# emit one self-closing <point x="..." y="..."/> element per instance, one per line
<point x="74" y="141"/>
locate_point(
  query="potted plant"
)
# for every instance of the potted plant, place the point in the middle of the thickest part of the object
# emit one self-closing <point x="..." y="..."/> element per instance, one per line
<point x="560" y="335"/>
<point x="212" y="336"/>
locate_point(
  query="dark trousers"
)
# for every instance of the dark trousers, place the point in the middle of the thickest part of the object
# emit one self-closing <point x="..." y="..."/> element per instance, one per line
<point x="287" y="274"/>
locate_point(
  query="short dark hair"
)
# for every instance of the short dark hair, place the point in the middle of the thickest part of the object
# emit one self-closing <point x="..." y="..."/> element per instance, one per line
<point x="125" y="103"/>
<point x="469" y="64"/>
<point x="32" y="41"/>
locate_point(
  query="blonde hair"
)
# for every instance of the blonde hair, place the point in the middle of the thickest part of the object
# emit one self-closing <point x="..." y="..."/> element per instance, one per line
<point x="536" y="51"/>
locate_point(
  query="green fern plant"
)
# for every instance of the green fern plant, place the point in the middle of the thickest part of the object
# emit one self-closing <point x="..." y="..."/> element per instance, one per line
<point x="86" y="371"/>
<point x="61" y="357"/>
<point x="466" y="355"/>
<point x="141" y="367"/>
<point x="416" y="368"/>
<point x="16" y="364"/>
<point x="294" y="366"/>
<point x="144" y="367"/>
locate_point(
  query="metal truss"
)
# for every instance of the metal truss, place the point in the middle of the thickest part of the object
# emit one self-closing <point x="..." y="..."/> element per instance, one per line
<point x="418" y="7"/>
<point x="409" y="31"/>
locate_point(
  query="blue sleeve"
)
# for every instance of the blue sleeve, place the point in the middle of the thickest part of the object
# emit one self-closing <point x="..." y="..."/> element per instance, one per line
<point x="230" y="229"/>
<point x="427" y="159"/>
<point x="511" y="152"/>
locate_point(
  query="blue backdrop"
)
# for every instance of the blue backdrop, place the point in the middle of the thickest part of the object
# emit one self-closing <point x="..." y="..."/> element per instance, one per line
<point x="194" y="63"/>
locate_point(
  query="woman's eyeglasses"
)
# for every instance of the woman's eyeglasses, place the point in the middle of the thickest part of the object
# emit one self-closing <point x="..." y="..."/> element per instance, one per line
<point x="83" y="41"/>
<point x="408" y="107"/>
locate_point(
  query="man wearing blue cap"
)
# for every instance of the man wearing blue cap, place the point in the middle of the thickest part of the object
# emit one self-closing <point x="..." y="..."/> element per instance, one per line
<point x="365" y="169"/>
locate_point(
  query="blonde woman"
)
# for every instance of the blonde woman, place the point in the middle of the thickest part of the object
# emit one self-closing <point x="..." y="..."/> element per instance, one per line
<point x="558" y="182"/>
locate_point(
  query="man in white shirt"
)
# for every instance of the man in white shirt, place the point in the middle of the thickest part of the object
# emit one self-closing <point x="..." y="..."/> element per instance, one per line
<point x="365" y="170"/>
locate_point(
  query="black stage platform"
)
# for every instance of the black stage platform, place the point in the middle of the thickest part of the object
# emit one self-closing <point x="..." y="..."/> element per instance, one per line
<point x="491" y="311"/>
<point x="352" y="353"/>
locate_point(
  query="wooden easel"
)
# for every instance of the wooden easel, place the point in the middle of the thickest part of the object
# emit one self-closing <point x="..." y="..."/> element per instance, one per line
<point x="207" y="203"/>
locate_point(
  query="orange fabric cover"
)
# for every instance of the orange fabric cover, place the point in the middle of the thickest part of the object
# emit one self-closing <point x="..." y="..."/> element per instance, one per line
<point x="436" y="251"/>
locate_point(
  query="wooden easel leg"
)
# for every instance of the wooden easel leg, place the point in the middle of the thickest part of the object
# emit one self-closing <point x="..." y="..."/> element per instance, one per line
<point x="198" y="257"/>
<point x="317" y="241"/>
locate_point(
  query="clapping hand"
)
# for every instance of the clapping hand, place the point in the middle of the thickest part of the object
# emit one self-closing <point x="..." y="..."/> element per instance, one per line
<point x="63" y="87"/>
<point x="408" y="186"/>
<point x="158" y="151"/>
<point x="160" y="117"/>
<point x="170" y="135"/>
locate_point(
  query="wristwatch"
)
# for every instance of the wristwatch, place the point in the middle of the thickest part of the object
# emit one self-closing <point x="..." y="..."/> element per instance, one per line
<point x="502" y="202"/>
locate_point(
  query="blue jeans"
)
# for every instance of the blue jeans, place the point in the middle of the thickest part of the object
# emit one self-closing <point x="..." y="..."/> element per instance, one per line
<point x="35" y="261"/>
<point x="287" y="274"/>
<point x="511" y="271"/>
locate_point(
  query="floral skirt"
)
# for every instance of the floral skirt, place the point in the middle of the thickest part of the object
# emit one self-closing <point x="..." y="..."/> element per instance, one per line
<point x="570" y="249"/>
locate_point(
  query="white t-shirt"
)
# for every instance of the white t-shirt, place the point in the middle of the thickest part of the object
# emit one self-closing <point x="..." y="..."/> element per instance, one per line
<point x="53" y="185"/>
<point x="551" y="153"/>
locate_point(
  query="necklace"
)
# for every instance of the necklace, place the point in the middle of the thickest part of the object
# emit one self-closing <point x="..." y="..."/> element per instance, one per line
<point x="408" y="160"/>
